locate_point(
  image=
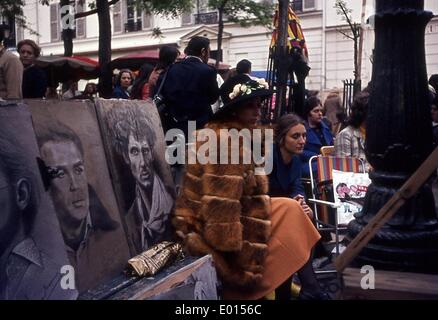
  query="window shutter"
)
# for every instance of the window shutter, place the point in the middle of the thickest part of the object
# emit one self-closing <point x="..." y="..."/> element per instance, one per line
<point x="309" y="4"/>
<point x="19" y="32"/>
<point x="147" y="20"/>
<point x="117" y="17"/>
<point x="80" y="23"/>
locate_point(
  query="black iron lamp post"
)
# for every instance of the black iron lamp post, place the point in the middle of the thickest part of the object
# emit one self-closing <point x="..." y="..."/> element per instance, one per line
<point x="399" y="139"/>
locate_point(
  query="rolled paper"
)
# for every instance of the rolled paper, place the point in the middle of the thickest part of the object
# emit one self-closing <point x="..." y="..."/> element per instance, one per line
<point x="154" y="259"/>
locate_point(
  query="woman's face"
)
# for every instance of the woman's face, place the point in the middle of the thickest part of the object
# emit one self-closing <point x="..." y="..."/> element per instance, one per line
<point x="89" y="89"/>
<point x="27" y="54"/>
<point x="125" y="80"/>
<point x="315" y="116"/>
<point x="249" y="114"/>
<point x="294" y="140"/>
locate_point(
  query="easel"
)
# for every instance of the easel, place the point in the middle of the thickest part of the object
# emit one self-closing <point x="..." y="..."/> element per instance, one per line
<point x="391" y="283"/>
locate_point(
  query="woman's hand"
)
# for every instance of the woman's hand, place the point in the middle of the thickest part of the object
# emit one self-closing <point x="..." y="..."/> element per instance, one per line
<point x="304" y="205"/>
<point x="307" y="209"/>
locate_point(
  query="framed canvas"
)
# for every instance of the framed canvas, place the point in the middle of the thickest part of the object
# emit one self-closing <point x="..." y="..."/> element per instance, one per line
<point x="33" y="261"/>
<point x="142" y="178"/>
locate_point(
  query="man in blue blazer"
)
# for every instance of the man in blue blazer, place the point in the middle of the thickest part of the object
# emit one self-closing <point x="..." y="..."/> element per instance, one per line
<point x="190" y="87"/>
<point x="318" y="134"/>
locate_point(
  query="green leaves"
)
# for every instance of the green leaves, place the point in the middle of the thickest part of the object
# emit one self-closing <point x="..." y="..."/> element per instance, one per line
<point x="343" y="10"/>
<point x="166" y="7"/>
<point x="11" y="8"/>
<point x="14" y="9"/>
<point x="157" y="33"/>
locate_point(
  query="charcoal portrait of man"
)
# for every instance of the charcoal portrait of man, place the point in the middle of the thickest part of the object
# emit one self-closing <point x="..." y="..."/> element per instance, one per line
<point x="83" y="219"/>
<point x="26" y="271"/>
<point x="133" y="139"/>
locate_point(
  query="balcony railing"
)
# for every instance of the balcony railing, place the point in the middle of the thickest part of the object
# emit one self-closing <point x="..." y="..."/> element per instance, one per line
<point x="206" y="18"/>
<point x="132" y="26"/>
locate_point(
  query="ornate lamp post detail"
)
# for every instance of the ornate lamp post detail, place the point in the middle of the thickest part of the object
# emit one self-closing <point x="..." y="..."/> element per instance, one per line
<point x="399" y="138"/>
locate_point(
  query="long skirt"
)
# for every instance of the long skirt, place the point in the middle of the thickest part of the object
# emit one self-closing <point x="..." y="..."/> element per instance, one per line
<point x="292" y="239"/>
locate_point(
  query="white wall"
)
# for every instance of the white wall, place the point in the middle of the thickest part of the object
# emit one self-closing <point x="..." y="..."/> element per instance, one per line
<point x="333" y="19"/>
<point x="250" y="43"/>
<point x="431" y="5"/>
<point x="431" y="44"/>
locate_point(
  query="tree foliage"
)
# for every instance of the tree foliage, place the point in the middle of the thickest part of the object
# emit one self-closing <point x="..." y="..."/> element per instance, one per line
<point x="345" y="13"/>
<point x="244" y="12"/>
<point x="14" y="9"/>
<point x="166" y="7"/>
<point x="354" y="33"/>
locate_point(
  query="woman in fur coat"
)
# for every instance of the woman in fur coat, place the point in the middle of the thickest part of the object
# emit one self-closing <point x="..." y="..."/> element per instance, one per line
<point x="257" y="242"/>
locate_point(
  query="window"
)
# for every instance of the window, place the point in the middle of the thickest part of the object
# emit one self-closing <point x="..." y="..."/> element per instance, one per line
<point x="19" y="32"/>
<point x="147" y="20"/>
<point x="80" y="23"/>
<point x="309" y="5"/>
<point x="117" y="17"/>
<point x="133" y="17"/>
<point x="303" y="5"/>
<point x="54" y="23"/>
<point x="127" y="17"/>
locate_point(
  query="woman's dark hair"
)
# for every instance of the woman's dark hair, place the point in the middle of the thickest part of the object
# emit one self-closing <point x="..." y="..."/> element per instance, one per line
<point x="141" y="80"/>
<point x="90" y="84"/>
<point x="284" y="124"/>
<point x="432" y="97"/>
<point x="195" y="46"/>
<point x="433" y="81"/>
<point x="243" y="66"/>
<point x="310" y="103"/>
<point x="359" y="110"/>
<point x="435" y="101"/>
<point x="119" y="76"/>
<point x="167" y="57"/>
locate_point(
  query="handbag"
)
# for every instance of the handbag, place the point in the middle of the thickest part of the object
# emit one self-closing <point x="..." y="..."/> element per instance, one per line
<point x="158" y="97"/>
<point x="166" y="117"/>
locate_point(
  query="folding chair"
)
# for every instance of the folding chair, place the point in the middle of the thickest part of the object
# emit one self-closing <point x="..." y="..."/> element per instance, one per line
<point x="320" y="184"/>
<point x="327" y="150"/>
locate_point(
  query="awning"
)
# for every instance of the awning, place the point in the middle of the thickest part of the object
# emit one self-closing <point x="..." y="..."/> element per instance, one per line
<point x="134" y="61"/>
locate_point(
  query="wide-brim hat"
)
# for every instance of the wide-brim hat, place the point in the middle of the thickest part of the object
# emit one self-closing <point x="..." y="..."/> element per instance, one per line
<point x="240" y="89"/>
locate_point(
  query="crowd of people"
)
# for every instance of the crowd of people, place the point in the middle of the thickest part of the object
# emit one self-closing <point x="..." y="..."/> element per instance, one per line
<point x="21" y="78"/>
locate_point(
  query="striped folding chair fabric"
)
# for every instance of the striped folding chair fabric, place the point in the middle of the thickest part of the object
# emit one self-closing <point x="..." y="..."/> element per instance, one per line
<point x="326" y="164"/>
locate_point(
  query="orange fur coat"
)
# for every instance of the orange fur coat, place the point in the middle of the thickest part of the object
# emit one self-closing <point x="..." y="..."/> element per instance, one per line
<point x="224" y="210"/>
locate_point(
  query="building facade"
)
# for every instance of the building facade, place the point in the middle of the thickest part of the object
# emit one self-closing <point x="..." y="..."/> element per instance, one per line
<point x="330" y="52"/>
